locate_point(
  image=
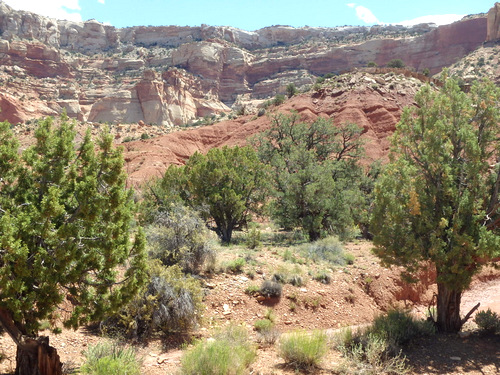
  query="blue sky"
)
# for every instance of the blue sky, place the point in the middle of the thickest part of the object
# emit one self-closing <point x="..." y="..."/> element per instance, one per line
<point x="255" y="14"/>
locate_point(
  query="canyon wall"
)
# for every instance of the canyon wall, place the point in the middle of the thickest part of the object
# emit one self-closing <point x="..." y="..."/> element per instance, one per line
<point x="173" y="75"/>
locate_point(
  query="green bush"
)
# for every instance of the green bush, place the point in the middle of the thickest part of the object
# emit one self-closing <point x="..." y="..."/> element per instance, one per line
<point x="235" y="265"/>
<point x="271" y="289"/>
<point x="328" y="249"/>
<point x="396" y="63"/>
<point x="263" y="325"/>
<point x="279" y="99"/>
<point x="110" y="359"/>
<point x="253" y="237"/>
<point x="229" y="352"/>
<point x="291" y="90"/>
<point x="399" y="327"/>
<point x="323" y="277"/>
<point x="372" y="359"/>
<point x="179" y="236"/>
<point x="377" y="349"/>
<point x="303" y="349"/>
<point x="488" y="321"/>
<point x="170" y="302"/>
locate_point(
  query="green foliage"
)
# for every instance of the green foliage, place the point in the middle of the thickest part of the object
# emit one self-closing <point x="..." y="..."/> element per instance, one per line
<point x="252" y="289"/>
<point x="145" y="136"/>
<point x="229" y="353"/>
<point x="378" y="348"/>
<point x="488" y="321"/>
<point x="179" y="236"/>
<point x="65" y="228"/>
<point x="315" y="173"/>
<point x="437" y="200"/>
<point x="170" y="302"/>
<point x="263" y="325"/>
<point x="323" y="277"/>
<point x="226" y="185"/>
<point x="396" y="63"/>
<point x="328" y="249"/>
<point x="371" y="64"/>
<point x="271" y="289"/>
<point x="253" y="237"/>
<point x="291" y="90"/>
<point x="371" y="358"/>
<point x="235" y="265"/>
<point x="279" y="99"/>
<point x="303" y="349"/>
<point x="110" y="359"/>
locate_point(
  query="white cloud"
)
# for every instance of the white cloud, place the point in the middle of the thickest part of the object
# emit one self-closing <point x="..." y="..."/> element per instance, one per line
<point x="363" y="13"/>
<point x="60" y="9"/>
<point x="366" y="15"/>
<point x="101" y="1"/>
<point x="439" y="19"/>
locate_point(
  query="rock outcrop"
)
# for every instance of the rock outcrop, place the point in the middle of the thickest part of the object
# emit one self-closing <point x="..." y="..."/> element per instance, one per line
<point x="493" y="33"/>
<point x="172" y="75"/>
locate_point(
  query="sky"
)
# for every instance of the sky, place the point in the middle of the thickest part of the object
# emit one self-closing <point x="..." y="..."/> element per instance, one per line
<point x="254" y="14"/>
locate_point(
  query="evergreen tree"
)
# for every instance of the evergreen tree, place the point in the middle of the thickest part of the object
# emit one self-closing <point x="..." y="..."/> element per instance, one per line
<point x="316" y="173"/>
<point x="65" y="225"/>
<point x="437" y="201"/>
<point x="225" y="186"/>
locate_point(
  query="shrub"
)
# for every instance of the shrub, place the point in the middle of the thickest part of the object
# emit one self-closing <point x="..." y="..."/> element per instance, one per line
<point x="488" y="321"/>
<point x="180" y="236"/>
<point x="253" y="237"/>
<point x="279" y="99"/>
<point x="399" y="327"/>
<point x="371" y="359"/>
<point x="110" y="359"/>
<point x="291" y="90"/>
<point x="323" y="277"/>
<point x="252" y="289"/>
<point x="303" y="349"/>
<point x="145" y="136"/>
<point x="328" y="249"/>
<point x="170" y="302"/>
<point x="270" y="289"/>
<point x="371" y="64"/>
<point x="377" y="349"/>
<point x="396" y="63"/>
<point x="235" y="265"/>
<point x="263" y="325"/>
<point x="229" y="352"/>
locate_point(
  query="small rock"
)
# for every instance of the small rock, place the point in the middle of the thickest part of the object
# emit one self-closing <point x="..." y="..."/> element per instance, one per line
<point x="210" y="286"/>
<point x="288" y="322"/>
<point x="260" y="298"/>
<point x="464" y="335"/>
<point x="225" y="307"/>
<point x="456" y="358"/>
<point x="304" y="290"/>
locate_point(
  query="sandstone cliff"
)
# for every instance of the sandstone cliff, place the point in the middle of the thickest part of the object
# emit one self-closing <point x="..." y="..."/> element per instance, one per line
<point x="173" y="75"/>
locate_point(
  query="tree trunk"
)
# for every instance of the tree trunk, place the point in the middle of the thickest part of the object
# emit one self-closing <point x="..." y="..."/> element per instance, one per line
<point x="37" y="357"/>
<point x="448" y="309"/>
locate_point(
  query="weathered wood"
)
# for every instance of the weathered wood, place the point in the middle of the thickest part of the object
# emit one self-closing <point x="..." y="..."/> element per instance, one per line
<point x="37" y="357"/>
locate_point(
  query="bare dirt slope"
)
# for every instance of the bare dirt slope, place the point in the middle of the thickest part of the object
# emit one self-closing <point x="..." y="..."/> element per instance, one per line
<point x="356" y="294"/>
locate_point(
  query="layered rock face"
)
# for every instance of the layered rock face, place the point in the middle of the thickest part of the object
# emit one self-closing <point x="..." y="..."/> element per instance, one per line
<point x="493" y="23"/>
<point x="173" y="75"/>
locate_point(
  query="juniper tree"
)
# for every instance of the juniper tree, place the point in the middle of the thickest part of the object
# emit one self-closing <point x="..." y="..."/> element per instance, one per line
<point x="225" y="186"/>
<point x="65" y="248"/>
<point x="315" y="172"/>
<point x="437" y="201"/>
